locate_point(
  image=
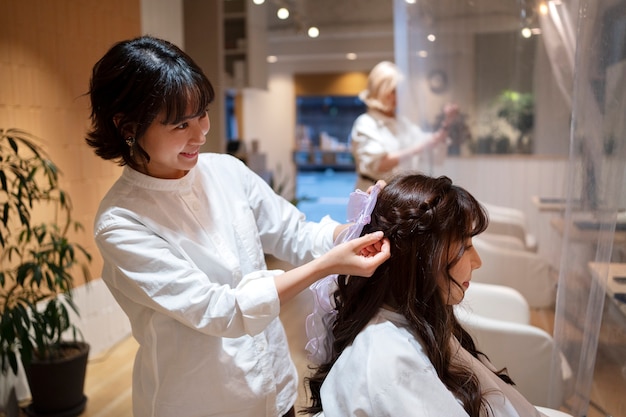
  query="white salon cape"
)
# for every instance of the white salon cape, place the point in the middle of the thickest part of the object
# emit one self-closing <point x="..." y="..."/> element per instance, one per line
<point x="386" y="372"/>
<point x="185" y="261"/>
<point x="374" y="135"/>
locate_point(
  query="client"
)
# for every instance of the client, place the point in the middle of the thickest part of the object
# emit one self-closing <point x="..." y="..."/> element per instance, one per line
<point x="394" y="346"/>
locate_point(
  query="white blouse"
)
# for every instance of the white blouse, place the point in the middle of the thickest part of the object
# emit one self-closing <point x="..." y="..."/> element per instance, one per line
<point x="375" y="135"/>
<point x="386" y="372"/>
<point x="185" y="260"/>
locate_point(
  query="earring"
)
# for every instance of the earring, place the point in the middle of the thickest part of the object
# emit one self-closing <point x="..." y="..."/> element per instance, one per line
<point x="130" y="141"/>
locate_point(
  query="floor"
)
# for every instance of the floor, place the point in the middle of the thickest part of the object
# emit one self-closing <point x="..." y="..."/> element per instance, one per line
<point x="108" y="385"/>
<point x="324" y="193"/>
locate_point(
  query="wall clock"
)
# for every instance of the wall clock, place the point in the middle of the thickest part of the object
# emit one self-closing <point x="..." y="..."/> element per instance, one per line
<point x="437" y="81"/>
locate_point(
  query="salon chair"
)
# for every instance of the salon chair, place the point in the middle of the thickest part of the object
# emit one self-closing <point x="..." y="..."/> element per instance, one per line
<point x="498" y="318"/>
<point x="508" y="221"/>
<point x="527" y="272"/>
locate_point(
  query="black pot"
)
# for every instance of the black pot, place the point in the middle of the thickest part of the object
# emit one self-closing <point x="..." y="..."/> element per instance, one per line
<point x="57" y="387"/>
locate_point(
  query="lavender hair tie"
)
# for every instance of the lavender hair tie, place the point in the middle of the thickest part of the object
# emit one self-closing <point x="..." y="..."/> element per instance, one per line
<point x="319" y="322"/>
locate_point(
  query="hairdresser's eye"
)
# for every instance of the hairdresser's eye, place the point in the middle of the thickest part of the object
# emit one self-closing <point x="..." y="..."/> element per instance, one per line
<point x="183" y="125"/>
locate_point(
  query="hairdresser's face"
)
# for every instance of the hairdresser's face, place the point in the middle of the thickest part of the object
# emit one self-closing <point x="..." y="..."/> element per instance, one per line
<point x="461" y="274"/>
<point x="174" y="149"/>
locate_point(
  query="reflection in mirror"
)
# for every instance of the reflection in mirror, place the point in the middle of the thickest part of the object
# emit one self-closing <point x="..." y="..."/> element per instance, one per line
<point x="487" y="56"/>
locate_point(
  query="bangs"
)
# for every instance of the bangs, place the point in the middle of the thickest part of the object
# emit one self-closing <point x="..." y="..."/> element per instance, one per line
<point x="472" y="217"/>
<point x="476" y="219"/>
<point x="187" y="98"/>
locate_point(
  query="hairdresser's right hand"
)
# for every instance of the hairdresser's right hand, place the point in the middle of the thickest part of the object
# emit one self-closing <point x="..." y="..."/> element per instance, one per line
<point x="359" y="256"/>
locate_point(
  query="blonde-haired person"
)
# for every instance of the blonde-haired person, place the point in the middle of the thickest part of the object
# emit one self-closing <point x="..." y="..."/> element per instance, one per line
<point x="382" y="143"/>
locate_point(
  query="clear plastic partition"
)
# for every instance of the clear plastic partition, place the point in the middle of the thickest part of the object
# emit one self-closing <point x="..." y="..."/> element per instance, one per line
<point x="536" y="81"/>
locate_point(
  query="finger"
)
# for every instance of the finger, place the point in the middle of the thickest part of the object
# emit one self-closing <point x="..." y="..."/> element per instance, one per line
<point x="367" y="240"/>
<point x="372" y="249"/>
<point x="375" y="260"/>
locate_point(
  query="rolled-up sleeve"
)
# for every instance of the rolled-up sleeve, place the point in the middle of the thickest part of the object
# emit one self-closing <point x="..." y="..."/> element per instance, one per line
<point x="258" y="300"/>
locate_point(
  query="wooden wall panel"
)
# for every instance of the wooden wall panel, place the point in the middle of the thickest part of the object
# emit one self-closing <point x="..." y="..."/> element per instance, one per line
<point x="47" y="50"/>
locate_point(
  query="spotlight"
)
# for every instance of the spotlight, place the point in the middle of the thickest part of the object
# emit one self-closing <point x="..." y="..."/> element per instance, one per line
<point x="282" y="13"/>
<point x="313" y="32"/>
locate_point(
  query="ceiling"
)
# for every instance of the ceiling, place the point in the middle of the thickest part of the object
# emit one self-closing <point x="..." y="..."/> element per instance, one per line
<point x="330" y="15"/>
<point x="366" y="27"/>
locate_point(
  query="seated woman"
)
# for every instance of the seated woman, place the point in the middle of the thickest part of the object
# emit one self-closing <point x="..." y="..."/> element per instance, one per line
<point x="397" y="348"/>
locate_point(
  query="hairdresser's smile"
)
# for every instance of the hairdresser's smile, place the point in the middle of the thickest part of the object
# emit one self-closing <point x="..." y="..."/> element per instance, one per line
<point x="190" y="155"/>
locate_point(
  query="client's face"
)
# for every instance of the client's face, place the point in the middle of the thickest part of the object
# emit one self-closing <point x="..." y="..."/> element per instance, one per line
<point x="461" y="273"/>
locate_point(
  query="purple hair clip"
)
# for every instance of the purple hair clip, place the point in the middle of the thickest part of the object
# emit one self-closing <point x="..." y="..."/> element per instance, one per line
<point x="318" y="323"/>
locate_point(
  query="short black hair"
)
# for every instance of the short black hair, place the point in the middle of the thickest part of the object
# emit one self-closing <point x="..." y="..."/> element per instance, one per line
<point x="135" y="81"/>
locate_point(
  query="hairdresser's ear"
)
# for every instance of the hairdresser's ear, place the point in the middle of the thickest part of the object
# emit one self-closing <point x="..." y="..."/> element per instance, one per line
<point x="127" y="130"/>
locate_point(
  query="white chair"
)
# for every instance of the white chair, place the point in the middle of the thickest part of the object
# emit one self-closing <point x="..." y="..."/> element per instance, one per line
<point x="511" y="222"/>
<point x="498" y="318"/>
<point x="550" y="412"/>
<point x="527" y="272"/>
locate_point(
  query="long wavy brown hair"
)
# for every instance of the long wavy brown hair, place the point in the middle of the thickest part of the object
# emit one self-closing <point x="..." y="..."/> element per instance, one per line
<point x="425" y="219"/>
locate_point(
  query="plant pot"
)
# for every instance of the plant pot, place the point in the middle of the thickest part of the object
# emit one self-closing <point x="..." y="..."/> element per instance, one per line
<point x="57" y="385"/>
<point x="8" y="405"/>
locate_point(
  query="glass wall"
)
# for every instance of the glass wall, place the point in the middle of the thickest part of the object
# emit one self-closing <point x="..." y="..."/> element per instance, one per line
<point x="538" y="80"/>
<point x="490" y="58"/>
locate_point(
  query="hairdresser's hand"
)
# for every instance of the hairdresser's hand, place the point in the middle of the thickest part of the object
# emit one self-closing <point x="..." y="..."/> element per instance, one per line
<point x="374" y="248"/>
<point x="380" y="183"/>
<point x="359" y="256"/>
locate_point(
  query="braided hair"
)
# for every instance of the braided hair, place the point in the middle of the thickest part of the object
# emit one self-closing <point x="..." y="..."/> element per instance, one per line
<point x="425" y="220"/>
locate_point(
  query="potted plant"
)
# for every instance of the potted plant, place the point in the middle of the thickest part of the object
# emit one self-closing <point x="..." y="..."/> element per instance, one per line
<point x="518" y="110"/>
<point x="38" y="261"/>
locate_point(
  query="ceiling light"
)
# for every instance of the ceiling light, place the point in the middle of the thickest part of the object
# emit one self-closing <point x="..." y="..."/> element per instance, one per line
<point x="527" y="33"/>
<point x="422" y="53"/>
<point x="282" y="13"/>
<point x="258" y="1"/>
<point x="431" y="37"/>
<point x="543" y="9"/>
<point x="313" y="32"/>
<point x="272" y="58"/>
<point x="351" y="56"/>
<point x="410" y="1"/>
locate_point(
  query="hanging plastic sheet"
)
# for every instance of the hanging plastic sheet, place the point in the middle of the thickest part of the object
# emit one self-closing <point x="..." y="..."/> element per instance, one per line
<point x="569" y="58"/>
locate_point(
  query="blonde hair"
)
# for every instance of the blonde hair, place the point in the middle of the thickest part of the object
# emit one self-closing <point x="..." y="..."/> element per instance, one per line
<point x="382" y="80"/>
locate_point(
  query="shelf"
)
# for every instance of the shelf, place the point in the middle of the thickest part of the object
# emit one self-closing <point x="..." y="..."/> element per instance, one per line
<point x="244" y="44"/>
<point x="319" y="160"/>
